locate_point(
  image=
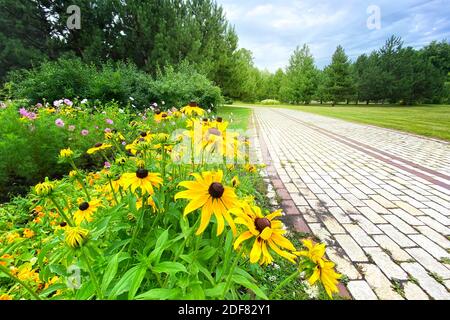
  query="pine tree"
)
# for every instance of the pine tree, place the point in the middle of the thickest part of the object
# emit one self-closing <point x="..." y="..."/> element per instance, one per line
<point x="340" y="85"/>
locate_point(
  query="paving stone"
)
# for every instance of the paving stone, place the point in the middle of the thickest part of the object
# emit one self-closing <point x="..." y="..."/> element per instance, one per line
<point x="358" y="234"/>
<point x="429" y="246"/>
<point x="385" y="263"/>
<point x="434" y="236"/>
<point x="413" y="292"/>
<point x="429" y="263"/>
<point x="384" y="202"/>
<point x="343" y="264"/>
<point x="340" y="215"/>
<point x="408" y="208"/>
<point x="332" y="225"/>
<point x="366" y="225"/>
<point x="426" y="282"/>
<point x="433" y="224"/>
<point x="371" y="215"/>
<point x="351" y="248"/>
<point x="375" y="206"/>
<point x="378" y="282"/>
<point x="400" y="224"/>
<point x="396" y="253"/>
<point x="408" y="218"/>
<point x="360" y="290"/>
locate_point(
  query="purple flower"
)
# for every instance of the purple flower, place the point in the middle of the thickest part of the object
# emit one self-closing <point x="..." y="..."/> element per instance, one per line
<point x="23" y="112"/>
<point x="107" y="165"/>
<point x="59" y="123"/>
<point x="39" y="105"/>
<point x="71" y="127"/>
<point x="109" y="121"/>
<point x="84" y="132"/>
<point x="32" y="116"/>
<point x="68" y="102"/>
<point x="124" y="143"/>
<point x="108" y="130"/>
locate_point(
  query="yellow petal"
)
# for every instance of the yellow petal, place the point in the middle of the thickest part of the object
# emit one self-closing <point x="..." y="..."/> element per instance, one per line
<point x="206" y="217"/>
<point x="243" y="237"/>
<point x="255" y="254"/>
<point x="195" y="203"/>
<point x="266" y="234"/>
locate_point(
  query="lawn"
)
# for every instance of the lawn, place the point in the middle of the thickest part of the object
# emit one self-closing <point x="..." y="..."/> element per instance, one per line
<point x="426" y="120"/>
<point x="238" y="117"/>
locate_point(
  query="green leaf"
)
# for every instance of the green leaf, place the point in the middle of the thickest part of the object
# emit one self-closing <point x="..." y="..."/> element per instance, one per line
<point x="197" y="292"/>
<point x="86" y="292"/>
<point x="124" y="283"/>
<point x="155" y="255"/>
<point x="206" y="253"/>
<point x="205" y="272"/>
<point x="137" y="280"/>
<point x="52" y="288"/>
<point x="169" y="267"/>
<point x="215" y="292"/>
<point x="111" y="270"/>
<point x="246" y="283"/>
<point x="160" y="294"/>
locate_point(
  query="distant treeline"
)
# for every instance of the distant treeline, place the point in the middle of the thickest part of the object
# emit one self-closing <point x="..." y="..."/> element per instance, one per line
<point x="154" y="35"/>
<point x="392" y="74"/>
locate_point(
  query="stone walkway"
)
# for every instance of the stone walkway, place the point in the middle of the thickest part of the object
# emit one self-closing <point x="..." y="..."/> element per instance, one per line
<point x="379" y="198"/>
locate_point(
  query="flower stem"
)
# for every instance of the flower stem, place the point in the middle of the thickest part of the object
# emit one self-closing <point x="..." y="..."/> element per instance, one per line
<point x="285" y="281"/>
<point x="230" y="274"/>
<point x="136" y="230"/>
<point x="34" y="294"/>
<point x="92" y="275"/>
<point x="61" y="212"/>
<point x="72" y="163"/>
<point x="114" y="192"/>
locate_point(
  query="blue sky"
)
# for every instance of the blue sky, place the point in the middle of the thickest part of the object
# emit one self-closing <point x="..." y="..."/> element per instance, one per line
<point x="272" y="29"/>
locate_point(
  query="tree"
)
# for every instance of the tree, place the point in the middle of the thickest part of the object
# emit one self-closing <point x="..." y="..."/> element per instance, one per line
<point x="340" y="85"/>
<point x="301" y="82"/>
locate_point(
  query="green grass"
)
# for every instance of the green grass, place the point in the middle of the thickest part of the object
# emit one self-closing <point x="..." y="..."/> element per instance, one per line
<point x="238" y="117"/>
<point x="426" y="120"/>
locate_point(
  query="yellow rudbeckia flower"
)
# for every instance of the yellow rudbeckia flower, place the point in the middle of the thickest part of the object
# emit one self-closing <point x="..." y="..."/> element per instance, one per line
<point x="324" y="272"/>
<point x="99" y="147"/>
<point x="143" y="180"/>
<point x="86" y="210"/>
<point x="267" y="231"/>
<point x="75" y="236"/>
<point x="208" y="192"/>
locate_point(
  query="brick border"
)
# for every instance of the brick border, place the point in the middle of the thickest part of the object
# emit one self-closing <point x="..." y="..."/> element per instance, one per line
<point x="366" y="149"/>
<point x="287" y="203"/>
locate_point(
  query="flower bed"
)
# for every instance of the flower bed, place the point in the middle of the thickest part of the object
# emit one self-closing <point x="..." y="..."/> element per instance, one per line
<point x="174" y="213"/>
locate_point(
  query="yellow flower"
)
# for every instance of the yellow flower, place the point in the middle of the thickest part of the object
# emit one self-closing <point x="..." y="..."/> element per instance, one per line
<point x="193" y="110"/>
<point x="315" y="252"/>
<point x="143" y="180"/>
<point x="86" y="210"/>
<point x="208" y="193"/>
<point x="150" y="202"/>
<point x="75" y="236"/>
<point x="51" y="282"/>
<point x="235" y="181"/>
<point x="66" y="153"/>
<point x="11" y="237"/>
<point x="250" y="168"/>
<point x="26" y="273"/>
<point x="160" y="116"/>
<point x="44" y="189"/>
<point x="27" y="233"/>
<point x="99" y="147"/>
<point x="4" y="297"/>
<point x="4" y="258"/>
<point x="327" y="276"/>
<point x="267" y="232"/>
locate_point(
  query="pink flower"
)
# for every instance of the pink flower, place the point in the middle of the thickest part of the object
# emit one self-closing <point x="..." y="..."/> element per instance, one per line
<point x="32" y="116"/>
<point x="59" y="123"/>
<point x="84" y="132"/>
<point x="107" y="165"/>
<point x="109" y="121"/>
<point x="71" y="128"/>
<point x="23" y="112"/>
<point x="68" y="102"/>
<point x="108" y="130"/>
<point x="57" y="103"/>
<point x="39" y="105"/>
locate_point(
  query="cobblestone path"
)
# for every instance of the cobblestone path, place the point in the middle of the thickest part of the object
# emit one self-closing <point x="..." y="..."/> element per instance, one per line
<point x="379" y="198"/>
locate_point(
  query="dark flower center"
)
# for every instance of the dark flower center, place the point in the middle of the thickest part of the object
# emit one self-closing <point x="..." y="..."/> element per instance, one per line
<point x="164" y="115"/>
<point x="205" y="119"/>
<point x="142" y="173"/>
<point x="193" y="104"/>
<point x="216" y="190"/>
<point x="84" y="206"/>
<point x="219" y="119"/>
<point x="262" y="223"/>
<point x="143" y="134"/>
<point x="98" y="145"/>
<point x="158" y="112"/>
<point x="63" y="224"/>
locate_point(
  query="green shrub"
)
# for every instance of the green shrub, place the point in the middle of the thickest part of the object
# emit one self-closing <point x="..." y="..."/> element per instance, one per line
<point x="122" y="82"/>
<point x="29" y="149"/>
<point x="268" y="102"/>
